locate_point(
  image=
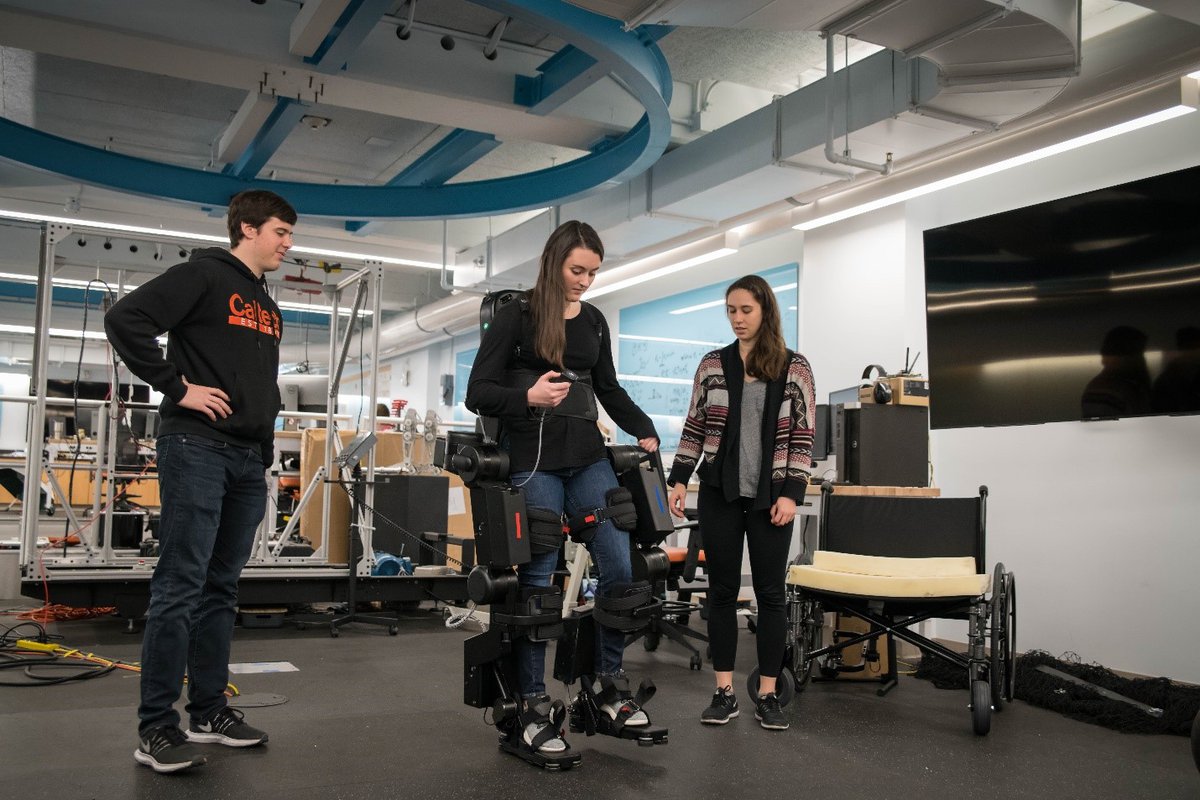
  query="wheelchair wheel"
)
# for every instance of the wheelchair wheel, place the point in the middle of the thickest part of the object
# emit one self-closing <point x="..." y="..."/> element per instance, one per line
<point x="1002" y="669"/>
<point x="807" y="639"/>
<point x="785" y="686"/>
<point x="981" y="707"/>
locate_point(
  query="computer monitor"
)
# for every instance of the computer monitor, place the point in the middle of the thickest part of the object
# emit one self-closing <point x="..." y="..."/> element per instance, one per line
<point x="308" y="393"/>
<point x="843" y="396"/>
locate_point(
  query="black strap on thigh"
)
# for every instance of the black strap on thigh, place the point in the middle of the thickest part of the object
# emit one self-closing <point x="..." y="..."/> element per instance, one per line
<point x="618" y="507"/>
<point x="545" y="530"/>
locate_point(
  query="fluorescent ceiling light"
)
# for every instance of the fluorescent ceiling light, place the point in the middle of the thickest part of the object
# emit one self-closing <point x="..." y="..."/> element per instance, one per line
<point x="68" y="283"/>
<point x="59" y="333"/>
<point x="75" y="283"/>
<point x="113" y="227"/>
<point x="999" y="166"/>
<point x="708" y="250"/>
<point x="162" y="233"/>
<point x="406" y="262"/>
<point x="661" y="271"/>
<point x="342" y="311"/>
<point x="721" y="302"/>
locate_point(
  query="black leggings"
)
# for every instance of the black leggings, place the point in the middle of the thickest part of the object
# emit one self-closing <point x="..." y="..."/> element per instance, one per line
<point x="723" y="526"/>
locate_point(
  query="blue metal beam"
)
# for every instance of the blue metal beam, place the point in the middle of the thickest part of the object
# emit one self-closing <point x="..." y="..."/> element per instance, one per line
<point x="629" y="56"/>
<point x="560" y="77"/>
<point x="275" y="129"/>
<point x="567" y="73"/>
<point x="357" y="21"/>
<point x="458" y="150"/>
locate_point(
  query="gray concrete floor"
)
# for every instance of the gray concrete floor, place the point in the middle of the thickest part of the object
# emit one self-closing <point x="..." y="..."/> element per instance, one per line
<point x="376" y="716"/>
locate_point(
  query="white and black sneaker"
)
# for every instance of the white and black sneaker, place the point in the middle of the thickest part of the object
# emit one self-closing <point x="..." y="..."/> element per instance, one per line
<point x="226" y="727"/>
<point x="724" y="707"/>
<point x="165" y="749"/>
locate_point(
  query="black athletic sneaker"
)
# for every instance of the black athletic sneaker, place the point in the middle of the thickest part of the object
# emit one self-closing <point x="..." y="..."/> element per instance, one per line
<point x="166" y="749"/>
<point x="723" y="707"/>
<point x="226" y="727"/>
<point x="769" y="714"/>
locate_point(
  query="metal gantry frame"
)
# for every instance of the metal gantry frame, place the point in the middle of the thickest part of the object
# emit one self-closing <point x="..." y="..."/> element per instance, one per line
<point x="91" y="556"/>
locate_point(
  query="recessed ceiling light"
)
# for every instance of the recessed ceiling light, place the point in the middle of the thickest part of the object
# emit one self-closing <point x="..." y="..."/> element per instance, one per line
<point x="315" y="122"/>
<point x="377" y="141"/>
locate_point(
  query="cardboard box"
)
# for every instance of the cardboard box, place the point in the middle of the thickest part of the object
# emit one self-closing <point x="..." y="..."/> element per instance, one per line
<point x="462" y="550"/>
<point x="849" y="627"/>
<point x="459" y="521"/>
<point x="388" y="449"/>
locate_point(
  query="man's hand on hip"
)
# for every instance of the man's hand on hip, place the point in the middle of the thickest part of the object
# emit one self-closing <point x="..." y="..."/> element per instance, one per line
<point x="207" y="400"/>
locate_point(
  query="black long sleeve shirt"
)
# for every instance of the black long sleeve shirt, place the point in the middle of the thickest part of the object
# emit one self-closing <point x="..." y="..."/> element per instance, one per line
<point x="567" y="442"/>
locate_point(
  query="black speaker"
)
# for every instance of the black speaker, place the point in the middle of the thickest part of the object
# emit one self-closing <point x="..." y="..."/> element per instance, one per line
<point x="416" y="503"/>
<point x="882" y="445"/>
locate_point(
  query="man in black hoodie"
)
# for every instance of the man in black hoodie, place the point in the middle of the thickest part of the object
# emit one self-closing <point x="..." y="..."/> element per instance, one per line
<point x="216" y="439"/>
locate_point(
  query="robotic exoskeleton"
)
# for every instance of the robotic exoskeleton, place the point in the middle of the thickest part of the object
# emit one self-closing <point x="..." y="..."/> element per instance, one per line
<point x="506" y="533"/>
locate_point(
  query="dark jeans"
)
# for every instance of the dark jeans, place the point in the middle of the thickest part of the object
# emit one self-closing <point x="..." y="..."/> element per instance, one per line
<point x="724" y="525"/>
<point x="213" y="498"/>
<point x="573" y="491"/>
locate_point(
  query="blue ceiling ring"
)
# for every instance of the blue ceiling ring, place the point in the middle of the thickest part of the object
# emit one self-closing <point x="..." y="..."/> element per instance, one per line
<point x="631" y="57"/>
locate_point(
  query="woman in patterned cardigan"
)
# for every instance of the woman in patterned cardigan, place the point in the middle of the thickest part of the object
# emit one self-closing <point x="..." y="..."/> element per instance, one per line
<point x="748" y="436"/>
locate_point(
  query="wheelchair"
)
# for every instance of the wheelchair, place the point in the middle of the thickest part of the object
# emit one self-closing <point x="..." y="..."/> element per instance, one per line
<point x="892" y="563"/>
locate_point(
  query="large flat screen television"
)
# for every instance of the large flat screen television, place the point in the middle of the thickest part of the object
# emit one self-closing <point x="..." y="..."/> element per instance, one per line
<point x="1086" y="307"/>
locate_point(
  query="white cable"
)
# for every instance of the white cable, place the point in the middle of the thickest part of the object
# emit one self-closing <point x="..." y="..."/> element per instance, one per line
<point x="460" y="620"/>
<point x="538" y="460"/>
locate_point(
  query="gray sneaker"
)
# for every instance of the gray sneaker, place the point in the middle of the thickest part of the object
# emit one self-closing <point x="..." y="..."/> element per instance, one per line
<point x="723" y="707"/>
<point x="165" y="749"/>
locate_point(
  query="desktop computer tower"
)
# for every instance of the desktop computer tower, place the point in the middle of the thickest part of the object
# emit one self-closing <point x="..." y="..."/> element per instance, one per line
<point x="881" y="445"/>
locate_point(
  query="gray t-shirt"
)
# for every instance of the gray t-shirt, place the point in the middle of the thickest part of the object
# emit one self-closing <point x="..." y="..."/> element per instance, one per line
<point x="754" y="396"/>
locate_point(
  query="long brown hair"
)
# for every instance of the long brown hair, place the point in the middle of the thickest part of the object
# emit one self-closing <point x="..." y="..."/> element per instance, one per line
<point x="768" y="358"/>
<point x="548" y="296"/>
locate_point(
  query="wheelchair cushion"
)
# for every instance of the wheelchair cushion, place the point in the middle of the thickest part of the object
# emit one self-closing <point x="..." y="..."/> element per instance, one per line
<point x="677" y="555"/>
<point x="877" y="576"/>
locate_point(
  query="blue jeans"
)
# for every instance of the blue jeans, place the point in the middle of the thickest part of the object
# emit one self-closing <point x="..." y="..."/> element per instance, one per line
<point x="572" y="491"/>
<point x="213" y="498"/>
